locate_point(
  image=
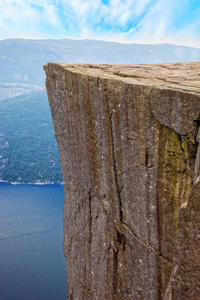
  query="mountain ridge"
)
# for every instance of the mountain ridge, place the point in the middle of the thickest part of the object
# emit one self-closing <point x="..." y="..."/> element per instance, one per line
<point x="21" y="60"/>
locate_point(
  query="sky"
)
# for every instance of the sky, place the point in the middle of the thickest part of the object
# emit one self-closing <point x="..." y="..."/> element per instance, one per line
<point x="128" y="21"/>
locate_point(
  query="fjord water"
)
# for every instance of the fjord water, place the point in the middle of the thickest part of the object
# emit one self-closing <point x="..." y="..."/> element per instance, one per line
<point x="32" y="264"/>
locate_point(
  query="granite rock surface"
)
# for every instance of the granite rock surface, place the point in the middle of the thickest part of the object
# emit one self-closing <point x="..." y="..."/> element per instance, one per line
<point x="128" y="140"/>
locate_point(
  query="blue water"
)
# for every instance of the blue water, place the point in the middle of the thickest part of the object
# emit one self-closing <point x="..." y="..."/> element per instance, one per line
<point x="32" y="264"/>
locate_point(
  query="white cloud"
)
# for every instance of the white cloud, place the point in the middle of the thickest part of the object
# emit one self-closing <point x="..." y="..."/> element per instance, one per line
<point x="157" y="26"/>
<point x="27" y="18"/>
<point x="144" y="21"/>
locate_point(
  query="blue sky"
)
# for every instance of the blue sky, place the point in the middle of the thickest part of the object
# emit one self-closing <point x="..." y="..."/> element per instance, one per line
<point x="128" y="21"/>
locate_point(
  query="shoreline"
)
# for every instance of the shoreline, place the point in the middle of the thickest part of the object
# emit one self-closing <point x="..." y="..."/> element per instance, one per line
<point x="31" y="183"/>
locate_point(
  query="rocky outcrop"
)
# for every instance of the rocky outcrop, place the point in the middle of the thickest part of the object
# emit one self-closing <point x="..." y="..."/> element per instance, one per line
<point x="128" y="142"/>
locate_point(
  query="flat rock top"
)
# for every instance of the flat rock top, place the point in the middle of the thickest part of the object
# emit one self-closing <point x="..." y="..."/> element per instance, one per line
<point x="181" y="76"/>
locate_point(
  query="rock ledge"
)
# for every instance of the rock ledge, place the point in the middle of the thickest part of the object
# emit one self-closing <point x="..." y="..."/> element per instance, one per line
<point x="128" y="140"/>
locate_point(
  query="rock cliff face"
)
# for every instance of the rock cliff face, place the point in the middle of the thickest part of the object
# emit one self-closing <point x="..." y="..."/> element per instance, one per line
<point x="128" y="141"/>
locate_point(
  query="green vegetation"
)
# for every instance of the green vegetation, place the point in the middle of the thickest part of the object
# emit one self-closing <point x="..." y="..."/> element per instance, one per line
<point x="28" y="148"/>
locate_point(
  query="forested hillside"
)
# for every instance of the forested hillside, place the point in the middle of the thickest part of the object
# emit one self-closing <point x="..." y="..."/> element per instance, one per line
<point x="28" y="148"/>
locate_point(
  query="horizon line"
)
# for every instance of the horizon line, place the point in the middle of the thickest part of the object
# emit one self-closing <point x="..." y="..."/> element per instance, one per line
<point x="98" y="40"/>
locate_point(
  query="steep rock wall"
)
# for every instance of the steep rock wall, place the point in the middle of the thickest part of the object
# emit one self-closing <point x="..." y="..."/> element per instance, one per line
<point x="128" y="142"/>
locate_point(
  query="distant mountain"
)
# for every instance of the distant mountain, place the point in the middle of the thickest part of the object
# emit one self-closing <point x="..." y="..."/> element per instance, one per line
<point x="21" y="60"/>
<point x="28" y="149"/>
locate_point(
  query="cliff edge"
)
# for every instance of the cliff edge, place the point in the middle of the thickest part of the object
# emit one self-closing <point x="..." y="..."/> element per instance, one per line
<point x="128" y="140"/>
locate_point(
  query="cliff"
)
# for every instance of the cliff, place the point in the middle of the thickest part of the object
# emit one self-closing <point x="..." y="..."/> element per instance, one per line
<point x="128" y="141"/>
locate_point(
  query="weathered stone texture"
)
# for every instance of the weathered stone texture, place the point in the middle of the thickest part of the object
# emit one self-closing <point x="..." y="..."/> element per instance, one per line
<point x="127" y="137"/>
